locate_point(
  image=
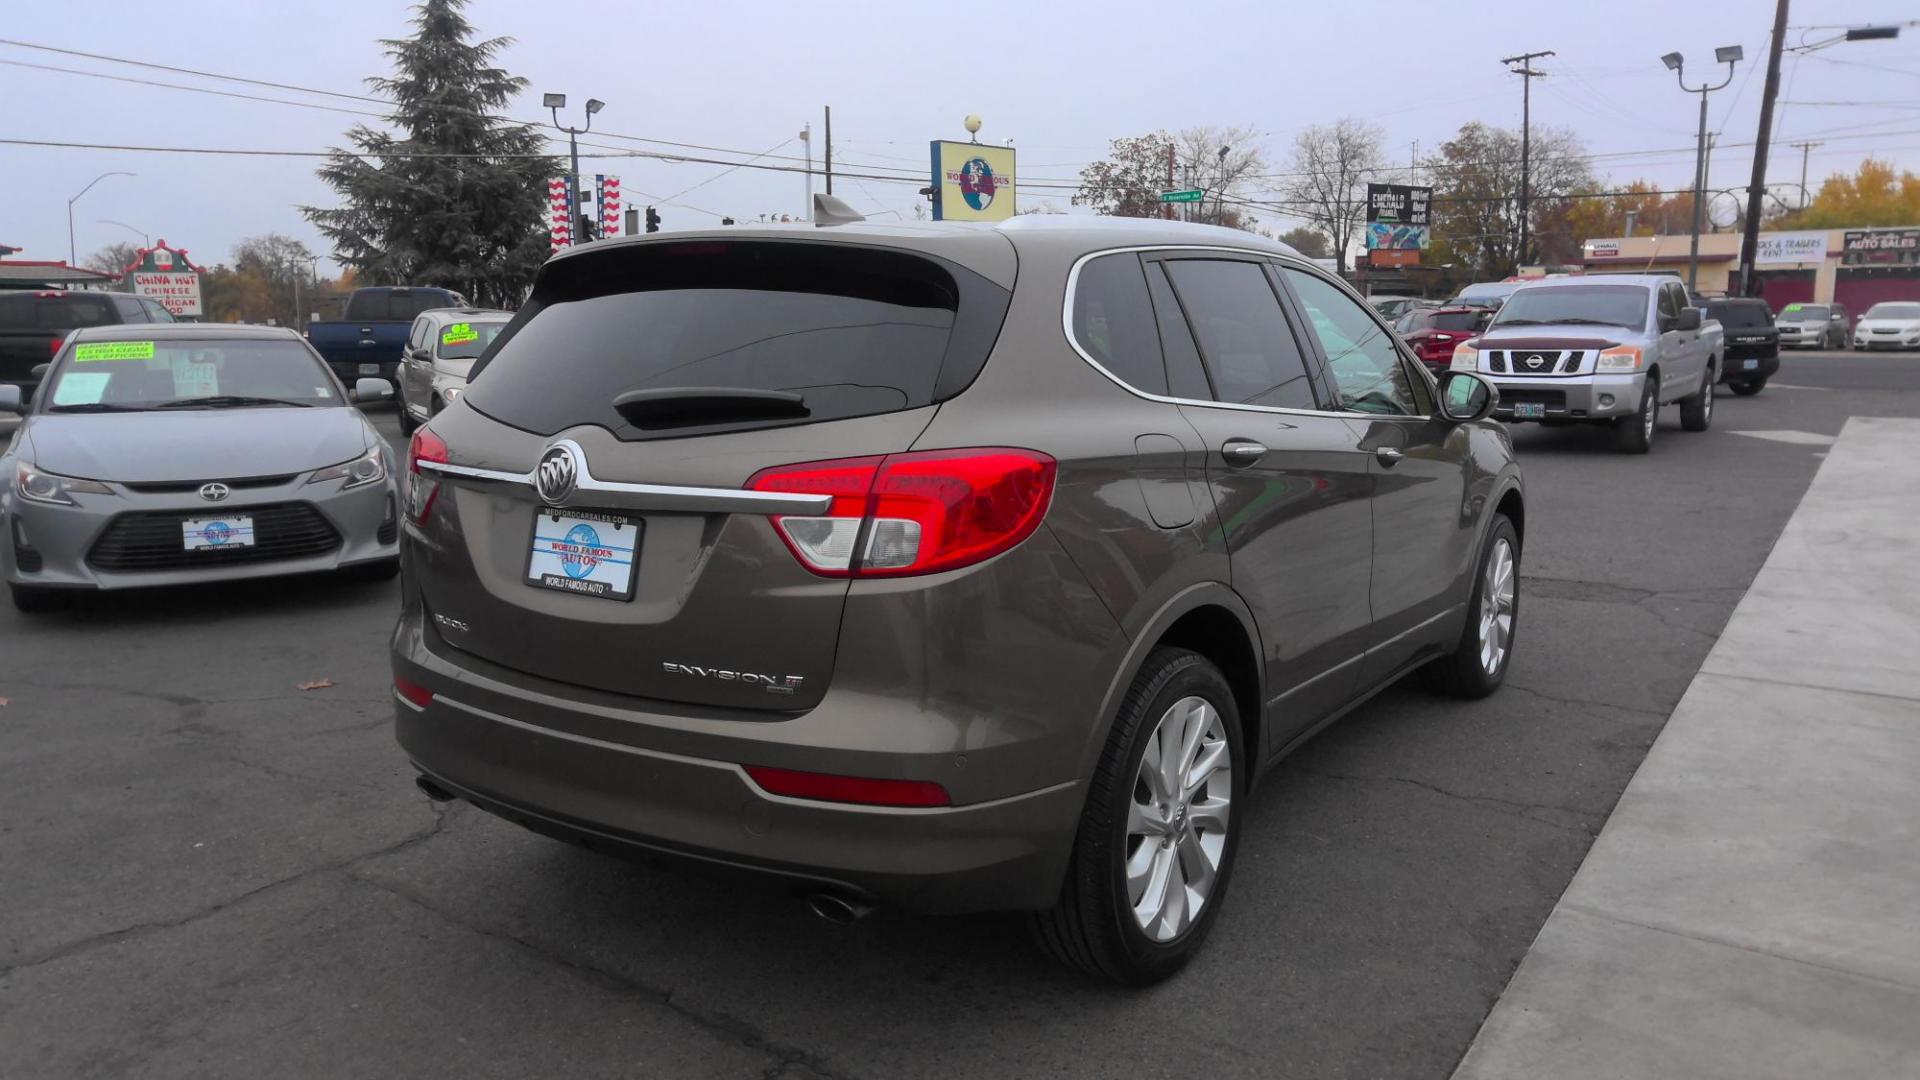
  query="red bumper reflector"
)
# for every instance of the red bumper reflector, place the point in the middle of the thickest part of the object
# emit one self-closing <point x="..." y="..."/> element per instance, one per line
<point x="413" y="692"/>
<point x="848" y="789"/>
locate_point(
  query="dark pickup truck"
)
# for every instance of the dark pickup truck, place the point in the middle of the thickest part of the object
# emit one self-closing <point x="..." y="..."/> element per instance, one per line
<point x="33" y="326"/>
<point x="1753" y="342"/>
<point x="370" y="340"/>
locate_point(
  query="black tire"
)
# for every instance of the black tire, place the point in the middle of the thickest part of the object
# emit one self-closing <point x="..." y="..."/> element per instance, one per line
<point x="29" y="600"/>
<point x="1634" y="434"/>
<point x="384" y="570"/>
<point x="1748" y="387"/>
<point x="1462" y="673"/>
<point x="1696" y="412"/>
<point x="408" y="425"/>
<point x="1092" y="926"/>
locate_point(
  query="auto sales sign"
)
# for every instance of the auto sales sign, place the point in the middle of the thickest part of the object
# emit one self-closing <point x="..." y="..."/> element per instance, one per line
<point x="164" y="274"/>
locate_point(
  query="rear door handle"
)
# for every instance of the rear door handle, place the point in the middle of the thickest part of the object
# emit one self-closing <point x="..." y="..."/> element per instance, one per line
<point x="1242" y="452"/>
<point x="1388" y="456"/>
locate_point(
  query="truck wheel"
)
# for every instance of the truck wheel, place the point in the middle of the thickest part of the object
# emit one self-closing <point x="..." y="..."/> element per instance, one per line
<point x="1696" y="412"/>
<point x="1154" y="852"/>
<point x="1748" y="387"/>
<point x="1478" y="663"/>
<point x="1634" y="434"/>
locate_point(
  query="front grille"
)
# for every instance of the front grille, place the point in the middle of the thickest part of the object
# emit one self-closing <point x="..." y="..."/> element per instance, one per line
<point x="151" y="540"/>
<point x="1573" y="362"/>
<point x="390" y="528"/>
<point x="172" y="487"/>
<point x="1497" y="361"/>
<point x="29" y="560"/>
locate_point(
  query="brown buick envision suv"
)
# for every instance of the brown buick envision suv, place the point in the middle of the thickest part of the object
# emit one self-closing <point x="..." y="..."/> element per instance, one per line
<point x="949" y="566"/>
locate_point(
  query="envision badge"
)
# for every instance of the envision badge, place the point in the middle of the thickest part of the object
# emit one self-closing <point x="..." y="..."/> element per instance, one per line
<point x="450" y="623"/>
<point x="558" y="473"/>
<point x="215" y="491"/>
<point x="775" y="684"/>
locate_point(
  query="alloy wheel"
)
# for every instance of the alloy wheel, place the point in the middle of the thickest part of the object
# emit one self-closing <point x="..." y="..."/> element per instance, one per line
<point x="1497" y="591"/>
<point x="1651" y="413"/>
<point x="1177" y="818"/>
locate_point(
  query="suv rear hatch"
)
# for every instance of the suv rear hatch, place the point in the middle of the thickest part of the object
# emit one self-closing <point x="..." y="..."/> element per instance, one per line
<point x="661" y="576"/>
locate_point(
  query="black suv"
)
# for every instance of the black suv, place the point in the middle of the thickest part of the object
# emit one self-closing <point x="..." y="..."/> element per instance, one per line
<point x="33" y="326"/>
<point x="1753" y="343"/>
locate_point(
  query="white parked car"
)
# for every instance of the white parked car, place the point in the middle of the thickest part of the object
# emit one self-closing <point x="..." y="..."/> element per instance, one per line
<point x="1890" y="325"/>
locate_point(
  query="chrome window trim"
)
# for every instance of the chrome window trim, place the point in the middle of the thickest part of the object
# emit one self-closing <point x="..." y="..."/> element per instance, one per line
<point x="591" y="492"/>
<point x="1066" y="330"/>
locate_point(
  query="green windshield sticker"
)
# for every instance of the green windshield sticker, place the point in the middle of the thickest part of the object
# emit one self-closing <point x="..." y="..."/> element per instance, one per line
<point x="113" y="350"/>
<point x="81" y="388"/>
<point x="459" y="334"/>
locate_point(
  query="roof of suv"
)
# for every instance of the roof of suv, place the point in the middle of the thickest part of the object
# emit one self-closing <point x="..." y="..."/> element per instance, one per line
<point x="1559" y="281"/>
<point x="176" y="331"/>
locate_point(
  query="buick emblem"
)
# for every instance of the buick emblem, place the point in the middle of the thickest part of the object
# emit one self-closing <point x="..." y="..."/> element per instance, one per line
<point x="1534" y="360"/>
<point x="215" y="492"/>
<point x="558" y="473"/>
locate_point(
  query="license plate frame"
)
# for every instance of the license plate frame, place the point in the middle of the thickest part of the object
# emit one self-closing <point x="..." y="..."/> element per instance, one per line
<point x="1750" y="365"/>
<point x="221" y="532"/>
<point x="565" y="561"/>
<point x="1529" y="410"/>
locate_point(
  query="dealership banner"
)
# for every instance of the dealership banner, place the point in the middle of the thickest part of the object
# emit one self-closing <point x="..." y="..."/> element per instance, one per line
<point x="972" y="182"/>
<point x="1398" y="217"/>
<point x="1881" y="247"/>
<point x="1791" y="247"/>
<point x="165" y="274"/>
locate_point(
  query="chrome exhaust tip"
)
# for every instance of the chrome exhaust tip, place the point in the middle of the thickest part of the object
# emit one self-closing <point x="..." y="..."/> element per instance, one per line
<point x="838" y="908"/>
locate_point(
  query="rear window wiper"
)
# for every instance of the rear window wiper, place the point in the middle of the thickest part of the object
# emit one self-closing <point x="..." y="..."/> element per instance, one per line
<point x="227" y="401"/>
<point x="684" y="405"/>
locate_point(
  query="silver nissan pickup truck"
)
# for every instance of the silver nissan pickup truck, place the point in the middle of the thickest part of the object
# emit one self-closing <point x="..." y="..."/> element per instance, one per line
<point x="1601" y="350"/>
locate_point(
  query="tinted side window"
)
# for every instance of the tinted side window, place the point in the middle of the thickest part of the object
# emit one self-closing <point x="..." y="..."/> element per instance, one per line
<point x="1185" y="374"/>
<point x="1243" y="334"/>
<point x="1113" y="321"/>
<point x="418" y="335"/>
<point x="156" y="311"/>
<point x="1367" y="373"/>
<point x="129" y="309"/>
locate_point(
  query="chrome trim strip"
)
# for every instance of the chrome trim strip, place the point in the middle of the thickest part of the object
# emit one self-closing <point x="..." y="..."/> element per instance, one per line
<point x="589" y="492"/>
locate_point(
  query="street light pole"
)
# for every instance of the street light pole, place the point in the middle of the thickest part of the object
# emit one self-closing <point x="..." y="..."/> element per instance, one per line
<point x="554" y="103"/>
<point x="145" y="239"/>
<point x="806" y="137"/>
<point x="71" y="256"/>
<point x="1730" y="55"/>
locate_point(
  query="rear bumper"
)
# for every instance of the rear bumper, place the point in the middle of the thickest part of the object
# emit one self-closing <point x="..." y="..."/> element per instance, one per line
<point x="606" y="775"/>
<point x="350" y="370"/>
<point x="1577" y="397"/>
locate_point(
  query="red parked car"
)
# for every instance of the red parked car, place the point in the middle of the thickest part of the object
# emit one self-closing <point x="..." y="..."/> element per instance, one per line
<point x="1433" y="332"/>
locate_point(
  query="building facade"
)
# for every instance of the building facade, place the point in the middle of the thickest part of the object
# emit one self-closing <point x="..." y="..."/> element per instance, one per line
<point x="1855" y="267"/>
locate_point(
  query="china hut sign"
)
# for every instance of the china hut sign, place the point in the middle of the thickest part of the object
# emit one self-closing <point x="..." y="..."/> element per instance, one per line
<point x="164" y="274"/>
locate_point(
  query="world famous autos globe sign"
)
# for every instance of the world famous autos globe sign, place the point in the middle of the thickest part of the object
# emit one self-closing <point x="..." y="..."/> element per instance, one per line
<point x="972" y="182"/>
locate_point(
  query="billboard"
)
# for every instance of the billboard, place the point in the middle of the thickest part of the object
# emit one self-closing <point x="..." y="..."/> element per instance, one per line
<point x="972" y="182"/>
<point x="164" y="274"/>
<point x="1881" y="247"/>
<point x="1398" y="217"/>
<point x="1791" y="247"/>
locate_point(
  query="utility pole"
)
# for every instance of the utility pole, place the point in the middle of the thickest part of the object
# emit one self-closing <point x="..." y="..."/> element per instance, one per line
<point x="1527" y="75"/>
<point x="1166" y="209"/>
<point x="1806" y="150"/>
<point x="829" y="151"/>
<point x="1750" y="239"/>
<point x="806" y="136"/>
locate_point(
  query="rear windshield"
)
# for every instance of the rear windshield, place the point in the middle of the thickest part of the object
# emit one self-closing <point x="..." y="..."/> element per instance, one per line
<point x="1804" y="313"/>
<point x="177" y="373"/>
<point x="370" y="305"/>
<point x="1606" y="305"/>
<point x="854" y="331"/>
<point x="25" y="311"/>
<point x="1740" y="315"/>
<point x="1894" y="311"/>
<point x="467" y="340"/>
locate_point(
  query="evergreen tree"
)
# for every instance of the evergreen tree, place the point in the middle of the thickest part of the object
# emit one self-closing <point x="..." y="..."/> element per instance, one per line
<point x="457" y="195"/>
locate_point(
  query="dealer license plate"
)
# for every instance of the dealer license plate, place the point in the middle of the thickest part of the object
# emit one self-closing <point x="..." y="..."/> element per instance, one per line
<point x="587" y="554"/>
<point x="369" y="369"/>
<point x="1749" y="365"/>
<point x="1529" y="410"/>
<point x="208" y="534"/>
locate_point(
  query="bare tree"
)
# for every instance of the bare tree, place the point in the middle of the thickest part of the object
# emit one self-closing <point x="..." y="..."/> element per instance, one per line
<point x="1331" y="165"/>
<point x="114" y="258"/>
<point x="1129" y="181"/>
<point x="1220" y="161"/>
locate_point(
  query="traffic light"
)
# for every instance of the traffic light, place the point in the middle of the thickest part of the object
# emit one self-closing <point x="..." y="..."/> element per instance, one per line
<point x="726" y="221"/>
<point x="653" y="220"/>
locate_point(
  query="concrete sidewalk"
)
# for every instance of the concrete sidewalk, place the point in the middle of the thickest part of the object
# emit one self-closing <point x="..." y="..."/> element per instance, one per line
<point x="1752" y="908"/>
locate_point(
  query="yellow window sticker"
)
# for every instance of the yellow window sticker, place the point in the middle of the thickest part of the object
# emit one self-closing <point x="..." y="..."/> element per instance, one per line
<point x="113" y="350"/>
<point x="459" y="334"/>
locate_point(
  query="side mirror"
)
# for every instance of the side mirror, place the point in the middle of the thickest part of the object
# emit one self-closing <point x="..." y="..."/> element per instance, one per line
<point x="1466" y="397"/>
<point x="10" y="399"/>
<point x="40" y="370"/>
<point x="371" y="389"/>
<point x="1689" y="320"/>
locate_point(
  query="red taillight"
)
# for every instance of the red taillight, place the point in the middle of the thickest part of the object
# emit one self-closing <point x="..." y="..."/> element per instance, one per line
<point x="422" y="486"/>
<point x="916" y="513"/>
<point x="826" y="787"/>
<point x="53" y="347"/>
<point x="413" y="692"/>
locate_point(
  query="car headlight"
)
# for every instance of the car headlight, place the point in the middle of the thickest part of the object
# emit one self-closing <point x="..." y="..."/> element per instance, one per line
<point x="45" y="487"/>
<point x="451" y="393"/>
<point x="1465" y="357"/>
<point x="361" y="471"/>
<point x="1620" y="358"/>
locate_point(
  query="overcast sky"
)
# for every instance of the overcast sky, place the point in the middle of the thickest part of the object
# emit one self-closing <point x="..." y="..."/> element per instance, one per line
<point x="1059" y="80"/>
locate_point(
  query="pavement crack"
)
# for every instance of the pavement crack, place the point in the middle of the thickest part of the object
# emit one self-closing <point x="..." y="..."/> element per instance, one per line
<point x="722" y="1025"/>
<point x="1526" y="810"/>
<point x="1511" y="687"/>
<point x="144" y="929"/>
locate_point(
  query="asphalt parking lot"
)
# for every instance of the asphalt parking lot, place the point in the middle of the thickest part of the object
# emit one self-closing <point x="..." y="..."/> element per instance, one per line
<point x="208" y="872"/>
